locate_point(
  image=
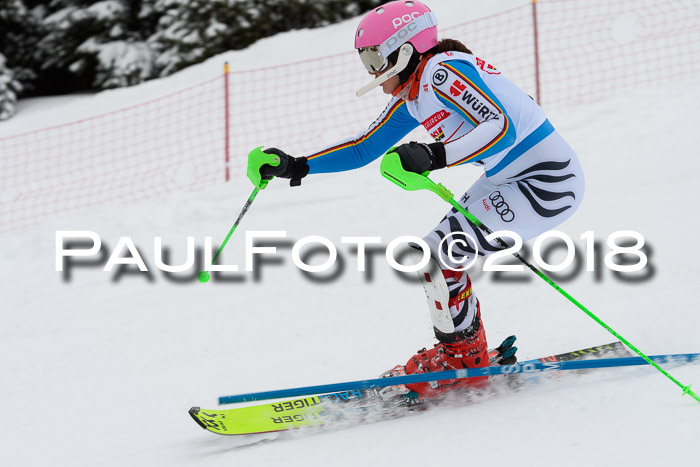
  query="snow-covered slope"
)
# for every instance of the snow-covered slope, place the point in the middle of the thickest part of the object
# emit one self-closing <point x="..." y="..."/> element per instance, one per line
<point x="100" y="370"/>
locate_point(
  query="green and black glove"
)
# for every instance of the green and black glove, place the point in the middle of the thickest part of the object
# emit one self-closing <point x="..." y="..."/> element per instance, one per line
<point x="294" y="168"/>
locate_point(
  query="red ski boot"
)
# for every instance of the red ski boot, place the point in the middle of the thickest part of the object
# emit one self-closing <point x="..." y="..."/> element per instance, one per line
<point x="464" y="349"/>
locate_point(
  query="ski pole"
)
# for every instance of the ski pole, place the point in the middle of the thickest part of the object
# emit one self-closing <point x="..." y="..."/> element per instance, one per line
<point x="256" y="158"/>
<point x="392" y="169"/>
<point x="204" y="275"/>
<point x="530" y="367"/>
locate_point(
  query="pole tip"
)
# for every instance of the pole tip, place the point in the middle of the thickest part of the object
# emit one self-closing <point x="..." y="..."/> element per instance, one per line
<point x="203" y="277"/>
<point x="687" y="390"/>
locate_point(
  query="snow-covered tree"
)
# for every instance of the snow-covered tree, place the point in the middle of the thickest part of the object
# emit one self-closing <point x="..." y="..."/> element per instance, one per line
<point x="9" y="88"/>
<point x="19" y="33"/>
<point x="98" y="43"/>
<point x="191" y="31"/>
<point x="59" y="46"/>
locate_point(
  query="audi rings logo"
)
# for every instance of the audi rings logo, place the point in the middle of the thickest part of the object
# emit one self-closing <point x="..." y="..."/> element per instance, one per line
<point x="501" y="206"/>
<point x="439" y="77"/>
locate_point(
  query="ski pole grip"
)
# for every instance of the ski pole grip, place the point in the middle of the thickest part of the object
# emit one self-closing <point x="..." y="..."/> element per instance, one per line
<point x="256" y="159"/>
<point x="393" y="170"/>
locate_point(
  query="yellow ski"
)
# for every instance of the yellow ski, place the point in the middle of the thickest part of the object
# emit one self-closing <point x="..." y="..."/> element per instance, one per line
<point x="265" y="418"/>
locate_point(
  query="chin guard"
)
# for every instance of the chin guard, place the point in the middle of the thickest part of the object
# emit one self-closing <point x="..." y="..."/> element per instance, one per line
<point x="405" y="53"/>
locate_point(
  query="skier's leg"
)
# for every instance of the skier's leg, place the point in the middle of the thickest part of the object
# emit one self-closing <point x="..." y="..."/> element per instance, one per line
<point x="530" y="196"/>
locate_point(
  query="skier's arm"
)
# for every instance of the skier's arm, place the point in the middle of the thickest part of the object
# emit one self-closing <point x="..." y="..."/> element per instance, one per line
<point x="393" y="124"/>
<point x="466" y="93"/>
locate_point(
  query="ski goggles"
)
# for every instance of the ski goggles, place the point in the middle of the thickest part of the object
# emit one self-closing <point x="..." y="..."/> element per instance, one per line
<point x="373" y="59"/>
<point x="376" y="58"/>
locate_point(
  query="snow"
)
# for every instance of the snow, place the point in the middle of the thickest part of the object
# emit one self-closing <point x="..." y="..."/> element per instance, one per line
<point x="127" y="58"/>
<point x="106" y="10"/>
<point x="101" y="370"/>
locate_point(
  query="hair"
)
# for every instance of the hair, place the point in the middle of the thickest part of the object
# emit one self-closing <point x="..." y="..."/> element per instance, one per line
<point x="445" y="45"/>
<point x="450" y="45"/>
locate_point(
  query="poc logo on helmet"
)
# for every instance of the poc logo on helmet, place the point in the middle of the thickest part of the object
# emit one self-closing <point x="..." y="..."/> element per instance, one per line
<point x="401" y="34"/>
<point x="407" y="18"/>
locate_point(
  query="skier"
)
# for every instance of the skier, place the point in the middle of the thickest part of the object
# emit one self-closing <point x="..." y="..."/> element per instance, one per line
<point x="532" y="182"/>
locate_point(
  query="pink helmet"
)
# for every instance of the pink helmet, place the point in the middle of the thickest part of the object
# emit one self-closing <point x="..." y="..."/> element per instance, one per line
<point x="406" y="27"/>
<point x="381" y="23"/>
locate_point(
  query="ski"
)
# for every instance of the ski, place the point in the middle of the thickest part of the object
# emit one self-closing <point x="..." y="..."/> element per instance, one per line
<point x="614" y="349"/>
<point x="349" y="405"/>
